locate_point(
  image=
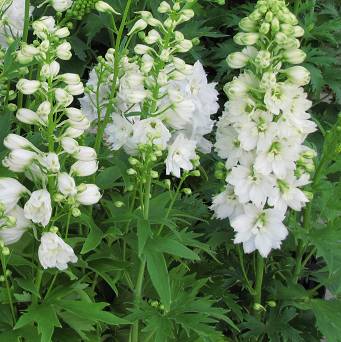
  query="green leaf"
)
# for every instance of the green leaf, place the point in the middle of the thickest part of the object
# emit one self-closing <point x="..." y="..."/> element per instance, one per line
<point x="143" y="234"/>
<point x="46" y="318"/>
<point x="91" y="311"/>
<point x="328" y="318"/>
<point x="172" y="247"/>
<point x="157" y="269"/>
<point x="94" y="237"/>
<point x="28" y="285"/>
<point x="107" y="178"/>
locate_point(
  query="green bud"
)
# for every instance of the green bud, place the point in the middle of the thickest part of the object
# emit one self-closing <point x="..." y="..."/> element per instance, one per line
<point x="131" y="172"/>
<point x="76" y="212"/>
<point x="130" y="188"/>
<point x="275" y="25"/>
<point x="118" y="204"/>
<point x="5" y="251"/>
<point x="258" y="307"/>
<point x="54" y="229"/>
<point x="133" y="161"/>
<point x="187" y="191"/>
<point x="8" y="273"/>
<point x="272" y="303"/>
<point x="154" y="303"/>
<point x="11" y="107"/>
<point x="218" y="174"/>
<point x="162" y="307"/>
<point x="154" y="174"/>
<point x="58" y="198"/>
<point x="309" y="195"/>
<point x="195" y="173"/>
<point x="167" y="183"/>
<point x="2" y="278"/>
<point x="264" y="28"/>
<point x="269" y="16"/>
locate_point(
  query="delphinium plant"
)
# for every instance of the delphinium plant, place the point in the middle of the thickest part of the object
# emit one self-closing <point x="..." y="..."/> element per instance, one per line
<point x="272" y="175"/>
<point x="150" y="114"/>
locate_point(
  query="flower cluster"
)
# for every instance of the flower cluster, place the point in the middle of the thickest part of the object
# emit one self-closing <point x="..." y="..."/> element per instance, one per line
<point x="263" y="128"/>
<point x="54" y="165"/>
<point x="159" y="100"/>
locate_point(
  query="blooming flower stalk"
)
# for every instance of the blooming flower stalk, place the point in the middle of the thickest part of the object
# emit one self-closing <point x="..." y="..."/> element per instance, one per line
<point x="262" y="130"/>
<point x="53" y="168"/>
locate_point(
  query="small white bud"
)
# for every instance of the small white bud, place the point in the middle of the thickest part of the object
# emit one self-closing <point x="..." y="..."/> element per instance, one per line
<point x="28" y="87"/>
<point x="138" y="26"/>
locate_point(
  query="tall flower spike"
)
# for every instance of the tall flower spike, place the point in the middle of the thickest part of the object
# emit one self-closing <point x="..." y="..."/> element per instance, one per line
<point x="263" y="128"/>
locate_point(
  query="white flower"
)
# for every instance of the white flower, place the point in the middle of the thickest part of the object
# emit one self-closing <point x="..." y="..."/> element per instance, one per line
<point x="260" y="229"/>
<point x="10" y="192"/>
<point x="85" y="153"/>
<point x="51" y="162"/>
<point x="249" y="185"/>
<point x="50" y="70"/>
<point x="38" y="208"/>
<point x="237" y="60"/>
<point x="18" y="160"/>
<point x="226" y="204"/>
<point x="69" y="145"/>
<point x="66" y="184"/>
<point x="28" y="87"/>
<point x="180" y="155"/>
<point x="15" y="141"/>
<point x="149" y="131"/>
<point x="294" y="56"/>
<point x="63" y="51"/>
<point x="287" y="193"/>
<point x="63" y="97"/>
<point x="61" y="5"/>
<point x="118" y="132"/>
<point x="43" y="111"/>
<point x="298" y="75"/>
<point x="13" y="233"/>
<point x="14" y="19"/>
<point x="53" y="252"/>
<point x="84" y="168"/>
<point x="29" y="117"/>
<point x="89" y="195"/>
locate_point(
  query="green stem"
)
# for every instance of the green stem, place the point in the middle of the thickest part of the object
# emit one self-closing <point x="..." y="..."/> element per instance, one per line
<point x="241" y="261"/>
<point x="117" y="58"/>
<point x="140" y="277"/>
<point x="24" y="40"/>
<point x="68" y="224"/>
<point x="51" y="284"/>
<point x="9" y="295"/>
<point x="259" y="280"/>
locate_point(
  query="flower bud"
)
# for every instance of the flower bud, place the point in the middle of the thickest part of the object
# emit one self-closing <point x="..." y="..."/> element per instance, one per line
<point x="164" y="7"/>
<point x="63" y="32"/>
<point x="298" y="75"/>
<point x="186" y="14"/>
<point x="51" y="162"/>
<point x="66" y="184"/>
<point x="154" y="174"/>
<point x="50" y="70"/>
<point x="237" y="60"/>
<point x="103" y="7"/>
<point x="70" y="78"/>
<point x="18" y="160"/>
<point x="85" y="153"/>
<point x="28" y="87"/>
<point x="184" y="45"/>
<point x="44" y="110"/>
<point x="5" y="251"/>
<point x="294" y="56"/>
<point x="263" y="58"/>
<point x="118" y="204"/>
<point x="28" y="116"/>
<point x="131" y="172"/>
<point x="90" y="195"/>
<point x="63" y="97"/>
<point x="84" y="168"/>
<point x="138" y="26"/>
<point x="61" y="5"/>
<point x="147" y="63"/>
<point x="75" y="89"/>
<point x="74" y="114"/>
<point x="247" y="25"/>
<point x="81" y="124"/>
<point x="76" y="212"/>
<point x="242" y="38"/>
<point x="141" y="49"/>
<point x="298" y="31"/>
<point x="72" y="132"/>
<point x="63" y="51"/>
<point x="15" y="141"/>
<point x="264" y="28"/>
<point x="133" y="161"/>
<point x="275" y="25"/>
<point x="187" y="191"/>
<point x="152" y="37"/>
<point x="69" y="145"/>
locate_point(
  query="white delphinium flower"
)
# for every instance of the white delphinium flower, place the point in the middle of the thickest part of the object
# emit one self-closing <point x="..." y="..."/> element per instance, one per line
<point x="260" y="229"/>
<point x="88" y="195"/>
<point x="118" y="132"/>
<point x="19" y="160"/>
<point x="66" y="184"/>
<point x="226" y="205"/>
<point x="12" y="233"/>
<point x="61" y="5"/>
<point x="13" y="19"/>
<point x="263" y="128"/>
<point x="181" y="153"/>
<point x="53" y="252"/>
<point x="38" y="208"/>
<point x="11" y="191"/>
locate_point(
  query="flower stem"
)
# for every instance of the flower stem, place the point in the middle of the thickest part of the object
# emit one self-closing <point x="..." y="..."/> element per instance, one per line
<point x="140" y="277"/>
<point x="9" y="295"/>
<point x="260" y="265"/>
<point x="117" y="58"/>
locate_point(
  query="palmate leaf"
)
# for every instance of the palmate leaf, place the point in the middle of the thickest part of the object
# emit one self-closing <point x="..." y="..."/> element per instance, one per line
<point x="328" y="318"/>
<point x="328" y="244"/>
<point x="46" y="318"/>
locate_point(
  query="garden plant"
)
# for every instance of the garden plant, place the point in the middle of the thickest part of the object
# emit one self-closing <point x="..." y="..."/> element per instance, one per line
<point x="170" y="170"/>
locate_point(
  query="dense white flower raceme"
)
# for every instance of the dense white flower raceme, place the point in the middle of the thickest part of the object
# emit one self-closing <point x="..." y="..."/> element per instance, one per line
<point x="262" y="131"/>
<point x="160" y="100"/>
<point x="55" y="192"/>
<point x="53" y="252"/>
<point x="12" y="14"/>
